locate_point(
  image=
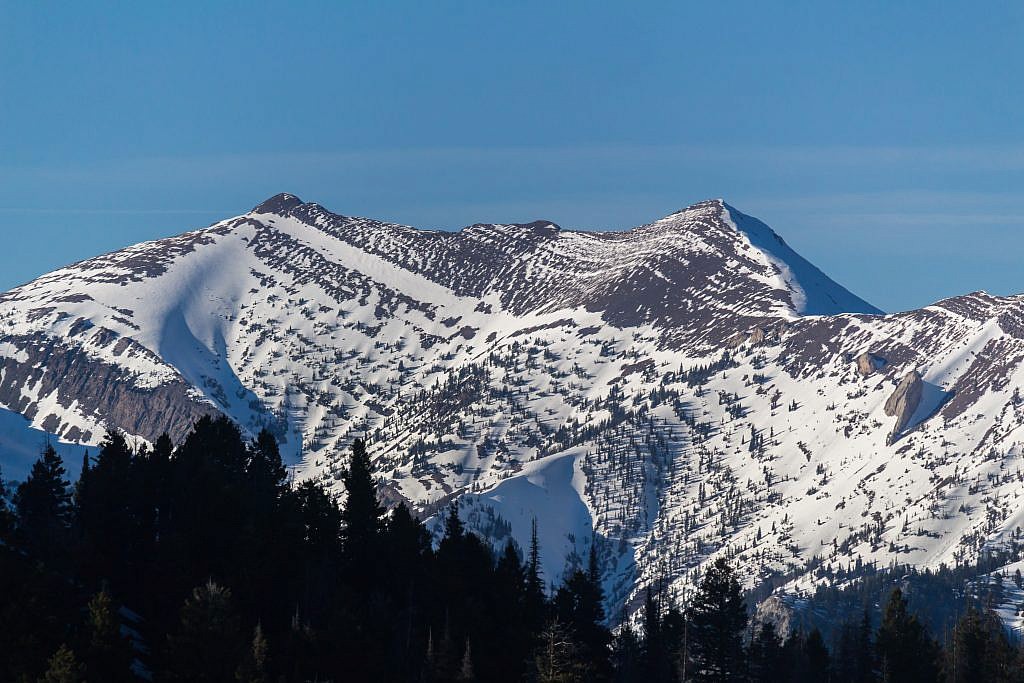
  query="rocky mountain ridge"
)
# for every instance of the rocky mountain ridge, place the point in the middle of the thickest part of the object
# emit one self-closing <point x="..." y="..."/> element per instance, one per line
<point x="682" y="390"/>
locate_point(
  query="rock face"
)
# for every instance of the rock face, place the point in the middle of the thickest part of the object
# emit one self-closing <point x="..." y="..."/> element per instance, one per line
<point x="868" y="363"/>
<point x="774" y="612"/>
<point x="73" y="388"/>
<point x="903" y="402"/>
<point x="755" y="337"/>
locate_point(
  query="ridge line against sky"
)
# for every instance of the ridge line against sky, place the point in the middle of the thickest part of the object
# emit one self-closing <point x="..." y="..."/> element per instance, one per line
<point x="823" y="227"/>
<point x="882" y="142"/>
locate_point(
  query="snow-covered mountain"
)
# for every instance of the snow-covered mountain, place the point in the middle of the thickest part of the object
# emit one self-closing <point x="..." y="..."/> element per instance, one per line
<point x="688" y="388"/>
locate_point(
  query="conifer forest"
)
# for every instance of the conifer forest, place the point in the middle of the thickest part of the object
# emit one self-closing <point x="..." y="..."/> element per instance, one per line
<point x="205" y="562"/>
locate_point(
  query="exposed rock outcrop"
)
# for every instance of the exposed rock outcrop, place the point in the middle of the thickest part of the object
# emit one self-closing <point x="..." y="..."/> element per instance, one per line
<point x="281" y="204"/>
<point x="868" y="363"/>
<point x="904" y="401"/>
<point x="65" y="375"/>
<point x="755" y="337"/>
<point x="774" y="612"/>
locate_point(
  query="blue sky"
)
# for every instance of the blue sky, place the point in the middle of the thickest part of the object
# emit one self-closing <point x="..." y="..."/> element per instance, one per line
<point x="884" y="141"/>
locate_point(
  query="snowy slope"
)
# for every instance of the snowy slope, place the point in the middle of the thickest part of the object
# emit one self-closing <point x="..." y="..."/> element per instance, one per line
<point x="813" y="293"/>
<point x="688" y="388"/>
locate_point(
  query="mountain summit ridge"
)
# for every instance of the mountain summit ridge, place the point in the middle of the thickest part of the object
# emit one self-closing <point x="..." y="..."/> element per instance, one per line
<point x="683" y="390"/>
<point x="701" y="230"/>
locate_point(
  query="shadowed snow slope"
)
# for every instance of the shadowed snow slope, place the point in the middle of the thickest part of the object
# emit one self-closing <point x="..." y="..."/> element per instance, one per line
<point x="813" y="292"/>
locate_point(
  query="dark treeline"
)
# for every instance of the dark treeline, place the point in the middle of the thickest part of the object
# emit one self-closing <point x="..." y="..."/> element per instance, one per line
<point x="226" y="572"/>
<point x="940" y="596"/>
<point x="202" y="563"/>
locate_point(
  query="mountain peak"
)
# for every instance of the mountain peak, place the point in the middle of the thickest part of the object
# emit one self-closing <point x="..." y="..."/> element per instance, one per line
<point x="814" y="292"/>
<point x="281" y="204"/>
<point x="718" y="236"/>
<point x="703" y="205"/>
<point x="710" y="237"/>
<point x="540" y="225"/>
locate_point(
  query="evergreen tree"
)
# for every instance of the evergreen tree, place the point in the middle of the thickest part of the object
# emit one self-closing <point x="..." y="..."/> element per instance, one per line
<point x="555" y="659"/>
<point x="627" y="655"/>
<point x="717" y="617"/>
<point x="6" y="516"/>
<point x="578" y="606"/>
<point x="407" y="546"/>
<point x="674" y="633"/>
<point x="656" y="660"/>
<point x="63" y="667"/>
<point x="156" y="490"/>
<point x="111" y="518"/>
<point x="454" y="529"/>
<point x="108" y="655"/>
<point x="43" y="506"/>
<point x="209" y="507"/>
<point x="362" y="514"/>
<point x="265" y="467"/>
<point x="215" y="445"/>
<point x="466" y="669"/>
<point x="440" y="661"/>
<point x="314" y="521"/>
<point x="814" y="657"/>
<point x="156" y="479"/>
<point x="767" y="662"/>
<point x="464" y="579"/>
<point x="162" y="451"/>
<point x="980" y="652"/>
<point x="255" y="664"/>
<point x="854" y="660"/>
<point x="362" y="523"/>
<point x="82" y="478"/>
<point x="265" y="544"/>
<point x="535" y="599"/>
<point x="406" y="573"/>
<point x="594" y="569"/>
<point x="366" y="629"/>
<point x="510" y="596"/>
<point x="511" y="573"/>
<point x="663" y="653"/>
<point x="906" y="652"/>
<point x="320" y="520"/>
<point x="207" y="645"/>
